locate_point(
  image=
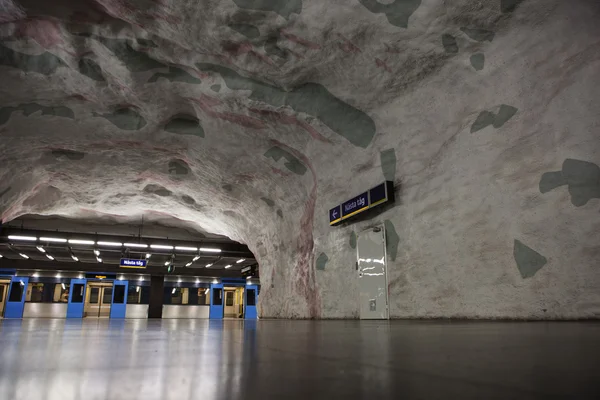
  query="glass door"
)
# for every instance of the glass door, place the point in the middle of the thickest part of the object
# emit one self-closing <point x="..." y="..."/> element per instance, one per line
<point x="98" y="300"/>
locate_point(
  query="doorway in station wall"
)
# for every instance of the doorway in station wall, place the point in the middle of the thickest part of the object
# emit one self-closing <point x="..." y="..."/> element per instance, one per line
<point x="98" y="300"/>
<point x="3" y="294"/>
<point x="233" y="306"/>
<point x="372" y="274"/>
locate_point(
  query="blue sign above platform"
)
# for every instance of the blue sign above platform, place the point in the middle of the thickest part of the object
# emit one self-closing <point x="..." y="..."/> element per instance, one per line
<point x="380" y="194"/>
<point x="127" y="263"/>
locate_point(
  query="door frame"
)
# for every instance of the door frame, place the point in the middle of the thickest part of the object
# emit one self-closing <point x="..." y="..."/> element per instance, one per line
<point x="101" y="285"/>
<point x="371" y="228"/>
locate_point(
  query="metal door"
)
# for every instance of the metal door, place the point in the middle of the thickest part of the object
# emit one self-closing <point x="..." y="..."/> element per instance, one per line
<point x="372" y="274"/>
<point x="99" y="301"/>
<point x="230" y="303"/>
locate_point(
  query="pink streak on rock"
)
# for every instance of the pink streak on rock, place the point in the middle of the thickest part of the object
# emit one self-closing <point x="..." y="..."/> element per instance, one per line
<point x="306" y="283"/>
<point x="45" y="32"/>
<point x="296" y="39"/>
<point x="382" y="64"/>
<point x="207" y="103"/>
<point x="290" y="120"/>
<point x="347" y="46"/>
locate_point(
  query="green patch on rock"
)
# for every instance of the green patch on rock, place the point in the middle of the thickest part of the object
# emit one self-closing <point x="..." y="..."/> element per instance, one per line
<point x="157" y="190"/>
<point x="582" y="178"/>
<point x="188" y="200"/>
<point x="126" y="119"/>
<point x="397" y="12"/>
<point x="322" y="261"/>
<point x="449" y="43"/>
<point x="292" y="163"/>
<point x="178" y="167"/>
<point x="388" y="164"/>
<point x="479" y="35"/>
<point x="250" y="31"/>
<point x="90" y="69"/>
<point x="310" y="98"/>
<point x="29" y="108"/>
<point x="68" y="154"/>
<point x="391" y="239"/>
<point x="184" y="124"/>
<point x="282" y="7"/>
<point x="175" y="75"/>
<point x="45" y="63"/>
<point x="487" y="118"/>
<point x="507" y="6"/>
<point x="478" y="61"/>
<point x="268" y="201"/>
<point x="529" y="261"/>
<point x="353" y="239"/>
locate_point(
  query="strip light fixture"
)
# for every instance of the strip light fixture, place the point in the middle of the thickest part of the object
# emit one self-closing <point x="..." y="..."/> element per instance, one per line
<point x="41" y="249"/>
<point x="188" y="264"/>
<point x="79" y="241"/>
<point x="208" y="265"/>
<point x="98" y="259"/>
<point x="25" y="238"/>
<point x="241" y="260"/>
<point x="136" y="245"/>
<point x="195" y="258"/>
<point x="184" y="248"/>
<point x="97" y="252"/>
<point x="228" y="266"/>
<point x="148" y="255"/>
<point x="50" y="257"/>
<point x="74" y="257"/>
<point x="53" y="240"/>
<point x="209" y="250"/>
<point x="161" y="247"/>
<point x="1" y="256"/>
<point x="25" y="256"/>
<point x="110" y="244"/>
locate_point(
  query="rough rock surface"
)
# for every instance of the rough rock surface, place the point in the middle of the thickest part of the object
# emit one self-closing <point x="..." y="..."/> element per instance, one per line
<point x="251" y="118"/>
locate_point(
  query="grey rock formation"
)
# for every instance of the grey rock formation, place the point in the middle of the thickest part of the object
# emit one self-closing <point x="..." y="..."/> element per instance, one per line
<point x="202" y="110"/>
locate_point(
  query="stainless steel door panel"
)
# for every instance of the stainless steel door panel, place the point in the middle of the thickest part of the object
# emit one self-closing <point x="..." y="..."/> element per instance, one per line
<point x="372" y="274"/>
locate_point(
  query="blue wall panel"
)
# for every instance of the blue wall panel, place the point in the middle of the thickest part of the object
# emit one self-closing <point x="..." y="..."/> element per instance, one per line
<point x="117" y="310"/>
<point x="75" y="308"/>
<point x="250" y="311"/>
<point x="14" y="309"/>
<point x="216" y="311"/>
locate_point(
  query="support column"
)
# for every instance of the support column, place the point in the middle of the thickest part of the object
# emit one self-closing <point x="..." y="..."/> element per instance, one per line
<point x="157" y="288"/>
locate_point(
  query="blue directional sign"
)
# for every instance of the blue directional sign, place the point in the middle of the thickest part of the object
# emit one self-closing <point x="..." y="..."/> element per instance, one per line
<point x="127" y="263"/>
<point x="335" y="215"/>
<point x="355" y="205"/>
<point x="380" y="194"/>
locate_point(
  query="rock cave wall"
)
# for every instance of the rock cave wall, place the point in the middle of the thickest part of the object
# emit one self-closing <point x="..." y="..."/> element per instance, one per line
<point x="251" y="118"/>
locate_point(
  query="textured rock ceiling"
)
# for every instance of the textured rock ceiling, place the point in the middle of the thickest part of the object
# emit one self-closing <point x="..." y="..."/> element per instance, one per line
<point x="251" y="118"/>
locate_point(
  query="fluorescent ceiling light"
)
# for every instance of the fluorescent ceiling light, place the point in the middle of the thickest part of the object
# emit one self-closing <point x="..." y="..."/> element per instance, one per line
<point x="110" y="244"/>
<point x="40" y="248"/>
<point x="167" y="263"/>
<point x="24" y="255"/>
<point x="228" y="266"/>
<point x="188" y="264"/>
<point x="1" y="256"/>
<point x="208" y="265"/>
<point x="209" y="250"/>
<point x="240" y="260"/>
<point x="196" y="258"/>
<point x="136" y="245"/>
<point x="248" y="278"/>
<point x="161" y="247"/>
<point x="148" y="255"/>
<point x="183" y="248"/>
<point x="26" y="238"/>
<point x="79" y="241"/>
<point x="74" y="258"/>
<point x="96" y="252"/>
<point x="98" y="259"/>
<point x="50" y="257"/>
<point x="54" y="240"/>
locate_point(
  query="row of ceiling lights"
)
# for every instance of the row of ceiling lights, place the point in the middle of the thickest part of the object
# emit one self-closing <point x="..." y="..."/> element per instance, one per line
<point x="116" y="244"/>
<point x="113" y="244"/>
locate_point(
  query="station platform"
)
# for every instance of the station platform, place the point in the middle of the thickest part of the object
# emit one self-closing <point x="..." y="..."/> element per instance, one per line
<point x="62" y="359"/>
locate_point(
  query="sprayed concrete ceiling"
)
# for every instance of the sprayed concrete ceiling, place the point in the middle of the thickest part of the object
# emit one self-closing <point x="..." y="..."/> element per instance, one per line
<point x="251" y="118"/>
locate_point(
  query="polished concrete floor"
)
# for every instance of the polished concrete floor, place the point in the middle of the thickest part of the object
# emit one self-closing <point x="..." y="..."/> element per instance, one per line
<point x="203" y="360"/>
